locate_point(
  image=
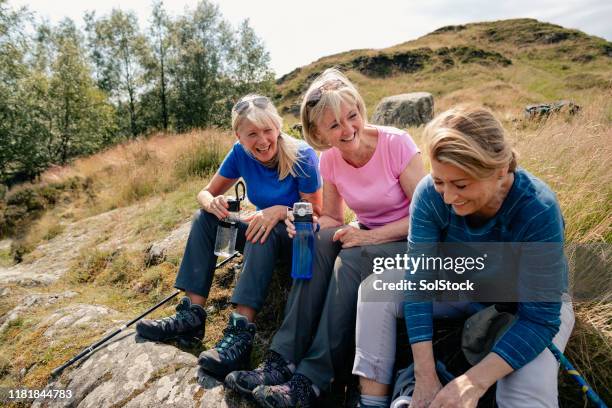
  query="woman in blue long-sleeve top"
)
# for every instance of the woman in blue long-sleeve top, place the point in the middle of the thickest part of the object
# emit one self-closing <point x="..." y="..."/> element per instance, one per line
<point x="477" y="194"/>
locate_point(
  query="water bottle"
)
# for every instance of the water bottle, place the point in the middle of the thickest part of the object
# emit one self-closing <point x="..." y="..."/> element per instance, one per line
<point x="303" y="242"/>
<point x="227" y="229"/>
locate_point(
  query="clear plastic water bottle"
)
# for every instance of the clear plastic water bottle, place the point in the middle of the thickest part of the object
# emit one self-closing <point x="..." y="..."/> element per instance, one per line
<point x="303" y="242"/>
<point x="227" y="230"/>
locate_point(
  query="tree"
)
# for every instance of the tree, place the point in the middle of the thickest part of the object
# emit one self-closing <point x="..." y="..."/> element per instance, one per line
<point x="81" y="119"/>
<point x="201" y="43"/>
<point x="251" y="70"/>
<point x="21" y="155"/>
<point x="157" y="67"/>
<point x="121" y="48"/>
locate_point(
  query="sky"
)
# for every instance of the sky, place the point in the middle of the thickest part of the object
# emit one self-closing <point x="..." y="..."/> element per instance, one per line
<point x="296" y="33"/>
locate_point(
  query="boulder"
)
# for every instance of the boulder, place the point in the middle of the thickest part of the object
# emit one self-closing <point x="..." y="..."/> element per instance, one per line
<point x="156" y="253"/>
<point x="411" y="109"/>
<point x="132" y="372"/>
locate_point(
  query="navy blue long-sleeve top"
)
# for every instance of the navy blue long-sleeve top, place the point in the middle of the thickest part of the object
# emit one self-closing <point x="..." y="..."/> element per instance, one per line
<point x="530" y="213"/>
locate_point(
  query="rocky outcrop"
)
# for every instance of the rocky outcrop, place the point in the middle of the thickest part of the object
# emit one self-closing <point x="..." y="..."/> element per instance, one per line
<point x="70" y="319"/>
<point x="544" y="109"/>
<point x="131" y="372"/>
<point x="35" y="300"/>
<point x="411" y="109"/>
<point x="157" y="252"/>
<point x="53" y="258"/>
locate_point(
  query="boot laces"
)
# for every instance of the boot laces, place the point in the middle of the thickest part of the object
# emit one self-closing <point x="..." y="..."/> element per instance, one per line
<point x="301" y="387"/>
<point x="184" y="316"/>
<point x="273" y="363"/>
<point x="232" y="336"/>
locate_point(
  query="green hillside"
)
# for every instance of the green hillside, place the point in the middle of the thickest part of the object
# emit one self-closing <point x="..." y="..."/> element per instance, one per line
<point x="503" y="64"/>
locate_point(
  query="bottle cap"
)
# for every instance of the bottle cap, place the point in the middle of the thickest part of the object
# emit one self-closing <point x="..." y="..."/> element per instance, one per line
<point x="302" y="211"/>
<point x="233" y="205"/>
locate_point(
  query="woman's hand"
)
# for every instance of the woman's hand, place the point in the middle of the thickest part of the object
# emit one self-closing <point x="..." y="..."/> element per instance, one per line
<point x="425" y="390"/>
<point x="262" y="222"/>
<point x="291" y="227"/>
<point x="462" y="392"/>
<point x="218" y="207"/>
<point x="352" y="236"/>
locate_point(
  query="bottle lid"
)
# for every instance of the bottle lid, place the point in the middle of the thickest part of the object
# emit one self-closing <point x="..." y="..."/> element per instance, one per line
<point x="233" y="205"/>
<point x="302" y="211"/>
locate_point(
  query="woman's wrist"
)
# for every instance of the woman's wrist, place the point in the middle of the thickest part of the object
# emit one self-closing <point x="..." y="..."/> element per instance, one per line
<point x="281" y="212"/>
<point x="424" y="363"/>
<point x="204" y="200"/>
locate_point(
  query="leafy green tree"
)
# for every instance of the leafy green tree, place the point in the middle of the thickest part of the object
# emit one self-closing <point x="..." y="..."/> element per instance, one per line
<point x="157" y="70"/>
<point x="81" y="119"/>
<point x="201" y="40"/>
<point x="21" y="155"/>
<point x="251" y="63"/>
<point x="120" y="48"/>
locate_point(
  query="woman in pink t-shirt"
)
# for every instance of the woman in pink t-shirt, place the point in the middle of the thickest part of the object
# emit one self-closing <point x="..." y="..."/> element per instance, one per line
<point x="373" y="170"/>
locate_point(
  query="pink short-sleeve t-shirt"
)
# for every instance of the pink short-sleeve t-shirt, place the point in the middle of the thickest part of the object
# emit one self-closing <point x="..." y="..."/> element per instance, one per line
<point x="373" y="191"/>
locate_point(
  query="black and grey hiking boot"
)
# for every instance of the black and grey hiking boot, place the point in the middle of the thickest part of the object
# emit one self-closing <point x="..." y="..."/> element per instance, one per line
<point x="273" y="370"/>
<point x="233" y="351"/>
<point x="186" y="326"/>
<point x="297" y="392"/>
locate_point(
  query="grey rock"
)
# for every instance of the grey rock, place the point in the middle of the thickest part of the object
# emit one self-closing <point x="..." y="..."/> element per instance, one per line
<point x="411" y="109"/>
<point x="541" y="110"/>
<point x="132" y="372"/>
<point x="55" y="257"/>
<point x="37" y="300"/>
<point x="68" y="320"/>
<point x="156" y="253"/>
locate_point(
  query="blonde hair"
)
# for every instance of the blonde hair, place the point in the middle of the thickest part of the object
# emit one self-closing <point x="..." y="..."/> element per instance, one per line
<point x="470" y="138"/>
<point x="287" y="154"/>
<point x="335" y="89"/>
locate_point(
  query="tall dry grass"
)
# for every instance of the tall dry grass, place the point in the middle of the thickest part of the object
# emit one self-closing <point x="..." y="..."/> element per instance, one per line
<point x="573" y="155"/>
<point x="146" y="167"/>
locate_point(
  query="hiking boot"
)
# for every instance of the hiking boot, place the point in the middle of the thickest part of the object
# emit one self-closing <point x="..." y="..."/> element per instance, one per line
<point x="186" y="326"/>
<point x="273" y="370"/>
<point x="297" y="392"/>
<point x="233" y="351"/>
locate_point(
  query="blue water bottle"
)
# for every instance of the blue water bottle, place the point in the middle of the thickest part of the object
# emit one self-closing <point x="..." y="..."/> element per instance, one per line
<point x="303" y="242"/>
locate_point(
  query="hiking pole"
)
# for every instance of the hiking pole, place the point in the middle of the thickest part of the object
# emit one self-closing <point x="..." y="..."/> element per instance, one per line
<point x="569" y="368"/>
<point x="97" y="344"/>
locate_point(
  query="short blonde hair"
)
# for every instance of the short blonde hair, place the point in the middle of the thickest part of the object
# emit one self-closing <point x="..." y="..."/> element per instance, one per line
<point x="262" y="117"/>
<point x="329" y="90"/>
<point x="470" y="138"/>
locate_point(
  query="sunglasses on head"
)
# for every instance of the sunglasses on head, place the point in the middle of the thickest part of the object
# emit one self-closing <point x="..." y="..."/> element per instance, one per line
<point x="316" y="95"/>
<point x="241" y="106"/>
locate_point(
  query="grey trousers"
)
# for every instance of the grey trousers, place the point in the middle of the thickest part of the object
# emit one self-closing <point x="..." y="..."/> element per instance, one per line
<point x="198" y="265"/>
<point x="533" y="385"/>
<point x="319" y="346"/>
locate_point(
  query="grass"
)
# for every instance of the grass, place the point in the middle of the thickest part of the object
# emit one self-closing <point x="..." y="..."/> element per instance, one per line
<point x="5" y="257"/>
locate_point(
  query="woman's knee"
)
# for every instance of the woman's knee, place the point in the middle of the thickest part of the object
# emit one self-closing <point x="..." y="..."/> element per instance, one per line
<point x="204" y="218"/>
<point x="533" y="385"/>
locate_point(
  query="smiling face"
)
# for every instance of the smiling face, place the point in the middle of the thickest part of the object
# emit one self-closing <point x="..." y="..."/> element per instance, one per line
<point x="344" y="132"/>
<point x="468" y="195"/>
<point x="260" y="141"/>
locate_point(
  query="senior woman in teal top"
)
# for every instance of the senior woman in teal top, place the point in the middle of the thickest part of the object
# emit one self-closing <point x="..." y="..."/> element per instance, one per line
<point x="474" y="194"/>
